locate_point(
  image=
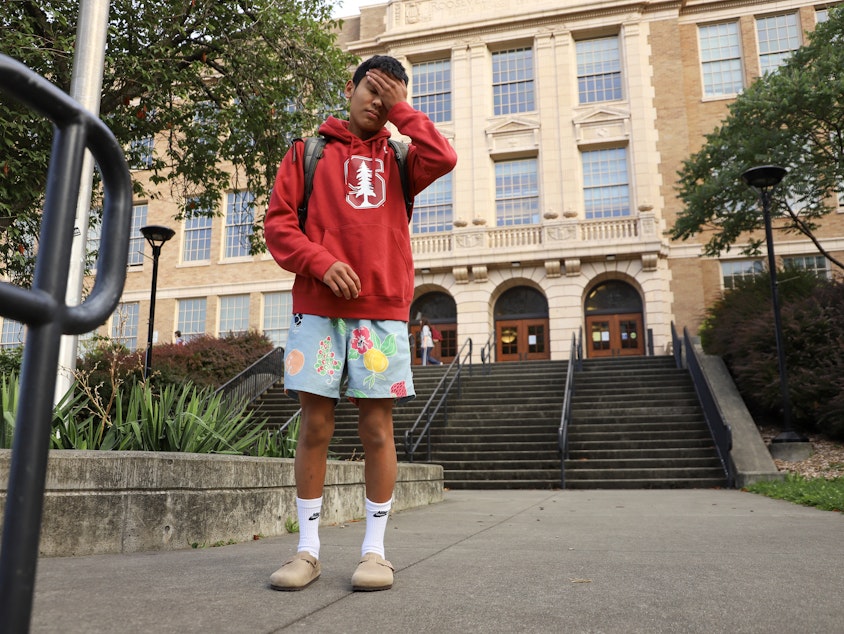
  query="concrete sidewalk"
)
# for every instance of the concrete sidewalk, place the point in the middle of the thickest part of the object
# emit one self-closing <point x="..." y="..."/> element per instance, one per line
<point x="492" y="561"/>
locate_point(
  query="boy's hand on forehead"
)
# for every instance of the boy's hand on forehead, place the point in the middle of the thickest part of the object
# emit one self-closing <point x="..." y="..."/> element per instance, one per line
<point x="389" y="89"/>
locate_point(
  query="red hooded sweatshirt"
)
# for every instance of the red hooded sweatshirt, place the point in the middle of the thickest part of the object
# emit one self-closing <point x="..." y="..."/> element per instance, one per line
<point x="356" y="214"/>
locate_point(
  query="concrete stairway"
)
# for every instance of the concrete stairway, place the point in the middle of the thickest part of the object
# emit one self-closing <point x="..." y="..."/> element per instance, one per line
<point x="502" y="433"/>
<point x="637" y="423"/>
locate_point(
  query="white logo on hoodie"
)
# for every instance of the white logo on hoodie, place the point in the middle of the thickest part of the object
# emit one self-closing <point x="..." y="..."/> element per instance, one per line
<point x="365" y="182"/>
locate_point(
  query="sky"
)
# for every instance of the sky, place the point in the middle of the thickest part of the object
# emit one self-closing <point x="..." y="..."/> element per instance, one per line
<point x="345" y="8"/>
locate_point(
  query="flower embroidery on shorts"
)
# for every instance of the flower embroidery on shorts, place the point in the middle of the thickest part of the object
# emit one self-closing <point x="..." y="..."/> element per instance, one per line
<point x="360" y="340"/>
<point x="374" y="351"/>
<point x="326" y="364"/>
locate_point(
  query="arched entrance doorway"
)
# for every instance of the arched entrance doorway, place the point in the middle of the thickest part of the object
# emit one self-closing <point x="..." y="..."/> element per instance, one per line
<point x="521" y="325"/>
<point x="614" y="322"/>
<point x="441" y="311"/>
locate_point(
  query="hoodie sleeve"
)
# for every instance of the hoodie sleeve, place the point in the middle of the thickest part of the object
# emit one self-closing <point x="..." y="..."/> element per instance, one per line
<point x="289" y="246"/>
<point x="431" y="155"/>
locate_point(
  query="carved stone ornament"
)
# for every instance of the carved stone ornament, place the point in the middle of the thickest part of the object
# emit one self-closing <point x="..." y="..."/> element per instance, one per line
<point x="461" y="274"/>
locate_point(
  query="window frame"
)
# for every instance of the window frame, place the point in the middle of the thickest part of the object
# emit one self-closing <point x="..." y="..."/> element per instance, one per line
<point x="507" y="91"/>
<point x="616" y="74"/>
<point x="605" y="211"/>
<point x="706" y="87"/>
<point x="436" y="91"/>
<point x="506" y="195"/>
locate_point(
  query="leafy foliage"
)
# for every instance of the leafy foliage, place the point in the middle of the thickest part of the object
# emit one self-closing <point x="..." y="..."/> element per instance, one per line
<point x="10" y="360"/>
<point x="821" y="493"/>
<point x="180" y="418"/>
<point x="791" y="117"/>
<point x="740" y="328"/>
<point x="217" y="84"/>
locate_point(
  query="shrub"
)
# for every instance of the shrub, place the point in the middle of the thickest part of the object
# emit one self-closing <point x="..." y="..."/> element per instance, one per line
<point x="740" y="328"/>
<point x="10" y="360"/>
<point x="208" y="361"/>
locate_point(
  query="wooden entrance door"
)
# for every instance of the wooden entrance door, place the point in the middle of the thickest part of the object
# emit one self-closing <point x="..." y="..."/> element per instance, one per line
<point x="522" y="339"/>
<point x="617" y="335"/>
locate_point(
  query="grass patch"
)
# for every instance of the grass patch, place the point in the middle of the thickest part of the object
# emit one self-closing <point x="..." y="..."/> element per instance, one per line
<point x="827" y="495"/>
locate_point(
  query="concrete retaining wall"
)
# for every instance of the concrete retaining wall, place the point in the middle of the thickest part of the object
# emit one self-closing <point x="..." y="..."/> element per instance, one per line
<point x="112" y="502"/>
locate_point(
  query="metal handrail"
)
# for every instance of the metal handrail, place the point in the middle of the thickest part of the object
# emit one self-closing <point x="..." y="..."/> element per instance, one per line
<point x="574" y="365"/>
<point x="676" y="347"/>
<point x="256" y="379"/>
<point x="43" y="309"/>
<point x="486" y="353"/>
<point x="427" y="414"/>
<point x="722" y="433"/>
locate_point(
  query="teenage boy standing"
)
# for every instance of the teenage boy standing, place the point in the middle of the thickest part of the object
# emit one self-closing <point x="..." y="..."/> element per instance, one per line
<point x="351" y="299"/>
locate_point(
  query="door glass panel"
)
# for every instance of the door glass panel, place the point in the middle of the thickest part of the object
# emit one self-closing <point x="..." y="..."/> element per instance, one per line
<point x="600" y="335"/>
<point x="509" y="341"/>
<point x="629" y="334"/>
<point x="536" y="338"/>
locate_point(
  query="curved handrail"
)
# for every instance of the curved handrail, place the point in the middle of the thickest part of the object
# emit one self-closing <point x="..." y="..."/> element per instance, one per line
<point x="428" y="414"/>
<point x="43" y="308"/>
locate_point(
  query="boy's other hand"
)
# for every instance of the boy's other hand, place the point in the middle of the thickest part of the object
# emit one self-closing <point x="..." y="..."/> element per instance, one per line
<point x="342" y="280"/>
<point x="389" y="89"/>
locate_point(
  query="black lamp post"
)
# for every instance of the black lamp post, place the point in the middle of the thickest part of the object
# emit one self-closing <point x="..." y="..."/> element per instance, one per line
<point x="763" y="179"/>
<point x="156" y="236"/>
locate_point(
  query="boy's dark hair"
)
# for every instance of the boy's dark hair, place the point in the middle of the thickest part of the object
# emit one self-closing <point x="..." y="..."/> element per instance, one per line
<point x="389" y="65"/>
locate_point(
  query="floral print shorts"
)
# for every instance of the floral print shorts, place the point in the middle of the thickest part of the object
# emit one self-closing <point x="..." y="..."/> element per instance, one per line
<point x="374" y="355"/>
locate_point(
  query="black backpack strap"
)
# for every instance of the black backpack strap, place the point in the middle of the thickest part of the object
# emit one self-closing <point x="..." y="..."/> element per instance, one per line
<point x="312" y="154"/>
<point x="400" y="150"/>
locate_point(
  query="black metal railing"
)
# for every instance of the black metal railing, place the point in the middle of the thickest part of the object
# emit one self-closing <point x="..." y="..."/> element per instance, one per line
<point x="438" y="402"/>
<point x="487" y="353"/>
<point x="43" y="309"/>
<point x="722" y="434"/>
<point x="676" y="347"/>
<point x="256" y="379"/>
<point x="574" y="365"/>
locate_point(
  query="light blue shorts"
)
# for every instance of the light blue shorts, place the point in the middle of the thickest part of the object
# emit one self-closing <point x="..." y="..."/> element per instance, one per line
<point x="374" y="355"/>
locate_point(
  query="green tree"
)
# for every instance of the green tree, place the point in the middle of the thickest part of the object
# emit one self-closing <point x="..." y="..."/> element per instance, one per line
<point x="793" y="117"/>
<point x="223" y="83"/>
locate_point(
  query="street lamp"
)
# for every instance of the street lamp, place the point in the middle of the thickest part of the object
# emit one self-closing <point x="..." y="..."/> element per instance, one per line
<point x="156" y="236"/>
<point x="763" y="179"/>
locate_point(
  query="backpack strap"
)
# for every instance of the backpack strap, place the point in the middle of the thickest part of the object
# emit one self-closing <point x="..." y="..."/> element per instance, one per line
<point x="312" y="154"/>
<point x="314" y="147"/>
<point x="401" y="150"/>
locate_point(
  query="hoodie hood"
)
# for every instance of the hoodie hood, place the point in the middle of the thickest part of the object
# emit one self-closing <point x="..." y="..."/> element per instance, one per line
<point x="338" y="129"/>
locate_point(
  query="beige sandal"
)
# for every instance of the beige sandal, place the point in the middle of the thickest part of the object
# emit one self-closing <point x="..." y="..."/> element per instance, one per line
<point x="296" y="573"/>
<point x="373" y="573"/>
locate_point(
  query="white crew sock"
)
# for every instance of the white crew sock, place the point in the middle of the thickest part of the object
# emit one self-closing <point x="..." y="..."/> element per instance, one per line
<point x="377" y="515"/>
<point x="308" y="512"/>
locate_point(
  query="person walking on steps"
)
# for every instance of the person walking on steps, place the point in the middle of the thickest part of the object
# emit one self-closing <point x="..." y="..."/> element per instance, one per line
<point x="351" y="298"/>
<point x="426" y="343"/>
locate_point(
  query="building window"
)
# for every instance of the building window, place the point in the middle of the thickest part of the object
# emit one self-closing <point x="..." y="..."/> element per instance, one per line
<point x="606" y="191"/>
<point x="136" y="239"/>
<point x="239" y="219"/>
<point x="191" y="317"/>
<point x="779" y="36"/>
<point x="197" y="246"/>
<point x="278" y="307"/>
<point x="734" y="271"/>
<point x="432" y="89"/>
<point x="432" y="211"/>
<point x="11" y="335"/>
<point x="814" y="263"/>
<point x="720" y="58"/>
<point x="234" y="314"/>
<point x="140" y="153"/>
<point x="124" y="325"/>
<point x="821" y="15"/>
<point x="516" y="192"/>
<point x="599" y="70"/>
<point x="512" y="81"/>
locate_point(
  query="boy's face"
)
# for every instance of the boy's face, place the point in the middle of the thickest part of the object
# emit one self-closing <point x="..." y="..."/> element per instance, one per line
<point x="367" y="113"/>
